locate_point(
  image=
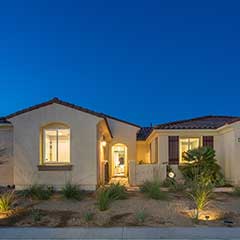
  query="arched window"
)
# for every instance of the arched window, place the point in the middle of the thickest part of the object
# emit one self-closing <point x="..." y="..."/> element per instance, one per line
<point x="56" y="144"/>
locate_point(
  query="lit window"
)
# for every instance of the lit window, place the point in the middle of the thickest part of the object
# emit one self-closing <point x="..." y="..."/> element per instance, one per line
<point x="187" y="144"/>
<point x="56" y="146"/>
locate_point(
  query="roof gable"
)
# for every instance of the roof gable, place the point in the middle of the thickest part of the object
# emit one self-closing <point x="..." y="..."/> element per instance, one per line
<point x="66" y="104"/>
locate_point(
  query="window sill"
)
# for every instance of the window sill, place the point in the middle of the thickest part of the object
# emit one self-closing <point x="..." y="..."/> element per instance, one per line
<point x="67" y="167"/>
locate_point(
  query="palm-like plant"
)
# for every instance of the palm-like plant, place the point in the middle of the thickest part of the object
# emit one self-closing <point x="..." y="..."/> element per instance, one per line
<point x="203" y="164"/>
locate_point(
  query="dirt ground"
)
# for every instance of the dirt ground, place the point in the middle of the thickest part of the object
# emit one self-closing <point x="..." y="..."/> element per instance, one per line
<point x="136" y="210"/>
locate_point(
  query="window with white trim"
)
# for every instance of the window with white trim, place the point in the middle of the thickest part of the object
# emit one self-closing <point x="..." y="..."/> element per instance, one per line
<point x="56" y="146"/>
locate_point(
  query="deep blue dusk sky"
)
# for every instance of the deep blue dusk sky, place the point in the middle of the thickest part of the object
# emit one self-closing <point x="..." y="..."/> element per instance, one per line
<point x="142" y="61"/>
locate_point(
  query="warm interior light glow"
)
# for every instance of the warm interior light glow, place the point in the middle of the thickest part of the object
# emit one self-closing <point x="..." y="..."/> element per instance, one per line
<point x="186" y="144"/>
<point x="56" y="146"/>
<point x="119" y="157"/>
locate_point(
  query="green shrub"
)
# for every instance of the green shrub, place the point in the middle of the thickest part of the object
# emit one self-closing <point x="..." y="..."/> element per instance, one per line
<point x="202" y="163"/>
<point x="141" y="216"/>
<point x="6" y="201"/>
<point x="37" y="191"/>
<point x="117" y="191"/>
<point x="88" y="216"/>
<point x="103" y="199"/>
<point x="152" y="190"/>
<point x="36" y="215"/>
<point x="107" y="194"/>
<point x="72" y="191"/>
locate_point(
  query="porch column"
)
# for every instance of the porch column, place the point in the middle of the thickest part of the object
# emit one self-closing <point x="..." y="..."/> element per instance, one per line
<point x="132" y="172"/>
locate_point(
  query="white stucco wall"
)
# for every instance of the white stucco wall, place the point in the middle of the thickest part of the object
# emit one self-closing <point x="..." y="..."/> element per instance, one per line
<point x="143" y="154"/>
<point x="83" y="147"/>
<point x="236" y="143"/>
<point x="140" y="173"/>
<point x="231" y="153"/>
<point x="6" y="166"/>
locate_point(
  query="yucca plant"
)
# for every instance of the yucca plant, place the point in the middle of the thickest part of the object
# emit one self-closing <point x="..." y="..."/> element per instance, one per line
<point x="88" y="216"/>
<point x="141" y="216"/>
<point x="72" y="191"/>
<point x="36" y="215"/>
<point x="201" y="193"/>
<point x="6" y="201"/>
<point x="117" y="191"/>
<point x="103" y="199"/>
<point x="152" y="190"/>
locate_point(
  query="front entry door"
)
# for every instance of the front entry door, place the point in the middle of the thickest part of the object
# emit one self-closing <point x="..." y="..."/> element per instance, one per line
<point x="119" y="160"/>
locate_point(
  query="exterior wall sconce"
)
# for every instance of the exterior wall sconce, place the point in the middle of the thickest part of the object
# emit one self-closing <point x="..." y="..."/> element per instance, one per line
<point x="103" y="142"/>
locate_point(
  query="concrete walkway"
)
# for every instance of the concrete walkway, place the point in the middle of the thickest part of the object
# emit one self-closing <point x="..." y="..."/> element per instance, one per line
<point x="119" y="233"/>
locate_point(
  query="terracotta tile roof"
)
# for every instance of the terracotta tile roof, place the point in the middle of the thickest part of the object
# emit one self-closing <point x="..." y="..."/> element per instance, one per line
<point x="206" y="122"/>
<point x="67" y="104"/>
<point x="143" y="133"/>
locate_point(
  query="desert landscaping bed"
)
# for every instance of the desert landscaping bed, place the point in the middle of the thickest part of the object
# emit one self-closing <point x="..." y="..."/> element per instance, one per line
<point x="196" y="201"/>
<point x="135" y="210"/>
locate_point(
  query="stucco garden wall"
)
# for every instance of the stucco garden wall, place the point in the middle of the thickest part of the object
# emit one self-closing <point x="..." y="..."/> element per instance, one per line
<point x="83" y="147"/>
<point x="6" y="161"/>
<point x="139" y="173"/>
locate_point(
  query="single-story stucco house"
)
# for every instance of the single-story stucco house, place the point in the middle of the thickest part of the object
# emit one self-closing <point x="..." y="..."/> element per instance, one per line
<point x="56" y="142"/>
